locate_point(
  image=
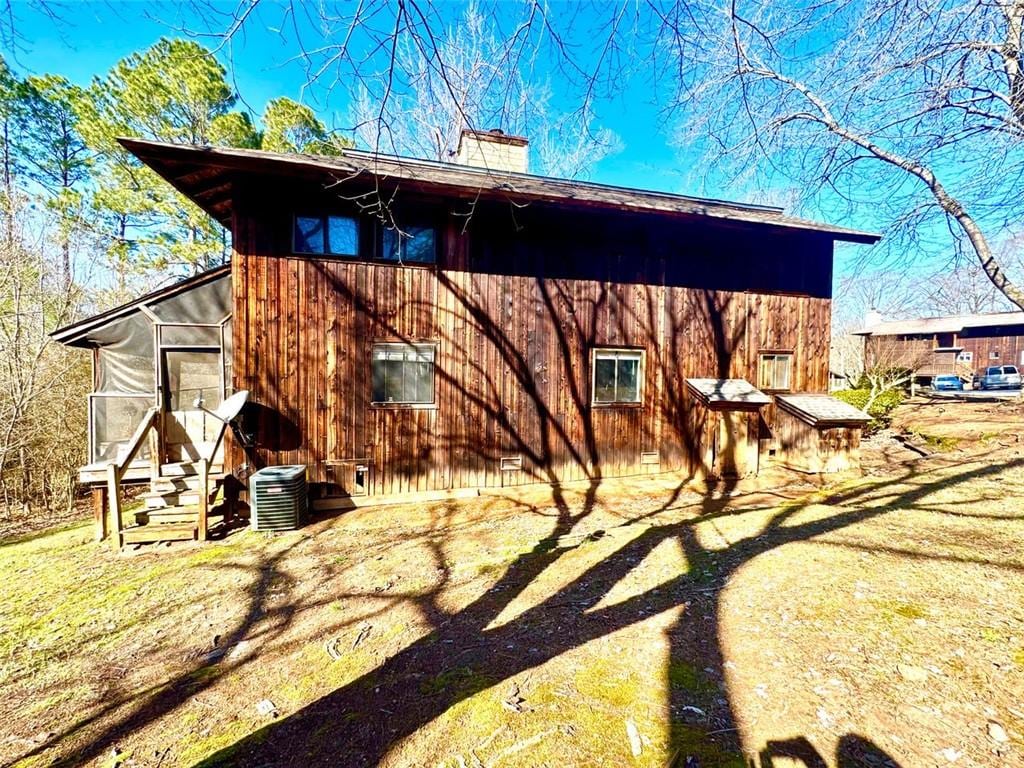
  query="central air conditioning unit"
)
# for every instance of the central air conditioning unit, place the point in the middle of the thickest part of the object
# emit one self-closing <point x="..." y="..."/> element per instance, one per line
<point x="277" y="497"/>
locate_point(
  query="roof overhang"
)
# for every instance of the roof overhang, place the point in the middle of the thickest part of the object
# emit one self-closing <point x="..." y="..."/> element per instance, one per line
<point x="74" y="335"/>
<point x="728" y="394"/>
<point x="207" y="175"/>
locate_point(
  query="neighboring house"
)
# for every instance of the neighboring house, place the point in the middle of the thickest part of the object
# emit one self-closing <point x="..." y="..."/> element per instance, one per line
<point x="932" y="346"/>
<point x="408" y="327"/>
<point x="846" y="360"/>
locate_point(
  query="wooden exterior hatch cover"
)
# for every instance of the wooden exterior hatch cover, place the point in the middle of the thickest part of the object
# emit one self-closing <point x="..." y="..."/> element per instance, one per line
<point x="822" y="410"/>
<point x="728" y="394"/>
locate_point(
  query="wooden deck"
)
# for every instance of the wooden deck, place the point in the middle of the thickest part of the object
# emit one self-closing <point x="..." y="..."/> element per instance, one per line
<point x="96" y="474"/>
<point x="138" y="472"/>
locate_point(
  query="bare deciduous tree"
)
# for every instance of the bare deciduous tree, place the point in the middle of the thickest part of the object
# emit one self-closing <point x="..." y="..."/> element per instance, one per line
<point x="41" y="383"/>
<point x="417" y="72"/>
<point x="915" y="107"/>
<point x="482" y="84"/>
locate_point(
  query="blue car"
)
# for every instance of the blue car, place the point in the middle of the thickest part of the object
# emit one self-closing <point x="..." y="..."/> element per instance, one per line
<point x="947" y="384"/>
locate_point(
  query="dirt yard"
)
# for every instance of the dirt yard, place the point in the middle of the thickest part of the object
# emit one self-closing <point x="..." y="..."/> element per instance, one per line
<point x="877" y="621"/>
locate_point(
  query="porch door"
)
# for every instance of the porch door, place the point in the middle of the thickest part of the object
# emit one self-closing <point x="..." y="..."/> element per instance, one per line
<point x="188" y="376"/>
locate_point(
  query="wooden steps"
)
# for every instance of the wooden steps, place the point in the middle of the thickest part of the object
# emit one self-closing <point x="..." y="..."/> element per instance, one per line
<point x="182" y="492"/>
<point x="178" y="487"/>
<point x="177" y="506"/>
<point x="171" y="510"/>
<point x="172" y="504"/>
<point x="147" y="534"/>
<point x="156" y="500"/>
<point x="170" y="514"/>
<point x="189" y="469"/>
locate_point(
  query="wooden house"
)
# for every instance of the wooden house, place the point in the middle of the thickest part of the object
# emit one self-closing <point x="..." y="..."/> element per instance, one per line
<point x="962" y="345"/>
<point x="405" y="327"/>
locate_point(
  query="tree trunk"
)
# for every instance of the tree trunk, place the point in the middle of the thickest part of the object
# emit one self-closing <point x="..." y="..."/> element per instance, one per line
<point x="949" y="204"/>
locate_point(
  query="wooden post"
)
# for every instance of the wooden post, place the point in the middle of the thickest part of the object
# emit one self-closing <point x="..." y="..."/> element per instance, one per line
<point x="154" y="457"/>
<point x="230" y="486"/>
<point x="204" y="497"/>
<point x="99" y="511"/>
<point x="114" y="500"/>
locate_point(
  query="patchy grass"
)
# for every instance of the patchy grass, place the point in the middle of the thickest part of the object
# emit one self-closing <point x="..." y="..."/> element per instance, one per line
<point x="938" y="443"/>
<point x="686" y="677"/>
<point x="883" y="616"/>
<point x="891" y="609"/>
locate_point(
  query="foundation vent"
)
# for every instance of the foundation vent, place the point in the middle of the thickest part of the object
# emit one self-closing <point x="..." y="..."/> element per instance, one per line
<point x="511" y="463"/>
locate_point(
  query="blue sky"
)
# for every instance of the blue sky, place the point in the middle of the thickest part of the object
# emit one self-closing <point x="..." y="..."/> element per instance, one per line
<point x="94" y="36"/>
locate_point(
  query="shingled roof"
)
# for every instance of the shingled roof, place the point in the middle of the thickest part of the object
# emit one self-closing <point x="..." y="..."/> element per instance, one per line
<point x="948" y="324"/>
<point x="207" y="175"/>
<point x="822" y="410"/>
<point x="726" y="394"/>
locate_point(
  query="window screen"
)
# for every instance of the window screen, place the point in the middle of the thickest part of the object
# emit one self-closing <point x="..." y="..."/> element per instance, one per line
<point x="329" y="235"/>
<point x="403" y="373"/>
<point x="416" y="245"/>
<point x="192" y="376"/>
<point x="617" y="375"/>
<point x="113" y="420"/>
<point x="775" y="371"/>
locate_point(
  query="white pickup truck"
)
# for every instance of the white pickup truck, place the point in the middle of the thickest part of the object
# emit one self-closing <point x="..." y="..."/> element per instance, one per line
<point x="1000" y="377"/>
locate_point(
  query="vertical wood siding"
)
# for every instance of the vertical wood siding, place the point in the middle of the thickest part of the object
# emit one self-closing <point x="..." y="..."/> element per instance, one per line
<point x="512" y="362"/>
<point x="917" y="352"/>
<point x="1009" y="347"/>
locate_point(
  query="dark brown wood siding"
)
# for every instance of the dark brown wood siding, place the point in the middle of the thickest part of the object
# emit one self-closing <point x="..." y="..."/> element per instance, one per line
<point x="1006" y="344"/>
<point x="515" y="309"/>
<point x="917" y="351"/>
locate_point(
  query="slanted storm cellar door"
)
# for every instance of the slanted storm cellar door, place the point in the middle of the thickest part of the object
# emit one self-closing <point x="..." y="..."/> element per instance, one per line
<point x="190" y="377"/>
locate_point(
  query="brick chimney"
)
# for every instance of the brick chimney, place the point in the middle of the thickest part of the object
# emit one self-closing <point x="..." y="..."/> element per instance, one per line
<point x="494" y="150"/>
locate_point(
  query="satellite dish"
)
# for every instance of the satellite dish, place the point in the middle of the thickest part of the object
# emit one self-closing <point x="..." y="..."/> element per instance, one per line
<point x="228" y="410"/>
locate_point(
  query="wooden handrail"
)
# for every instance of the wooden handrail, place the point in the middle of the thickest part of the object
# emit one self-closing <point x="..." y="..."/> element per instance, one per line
<point x="226" y="413"/>
<point x="116" y="469"/>
<point x="136" y="442"/>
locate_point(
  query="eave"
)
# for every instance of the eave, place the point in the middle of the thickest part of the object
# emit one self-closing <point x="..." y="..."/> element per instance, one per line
<point x="73" y="334"/>
<point x="207" y="176"/>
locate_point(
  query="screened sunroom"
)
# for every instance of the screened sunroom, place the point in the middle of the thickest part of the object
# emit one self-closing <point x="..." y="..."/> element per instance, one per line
<point x="169" y="351"/>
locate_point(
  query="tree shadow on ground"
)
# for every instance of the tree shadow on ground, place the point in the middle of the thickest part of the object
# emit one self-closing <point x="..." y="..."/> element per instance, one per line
<point x="359" y="723"/>
<point x="853" y="751"/>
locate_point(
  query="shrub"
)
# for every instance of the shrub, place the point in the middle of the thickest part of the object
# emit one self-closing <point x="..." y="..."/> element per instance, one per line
<point x="881" y="409"/>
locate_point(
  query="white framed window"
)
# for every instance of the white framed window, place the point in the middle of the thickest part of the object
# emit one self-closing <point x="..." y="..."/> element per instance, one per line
<point x="617" y="376"/>
<point x="403" y="374"/>
<point x="965" y="356"/>
<point x="775" y="371"/>
<point x="326" y="235"/>
<point x="993" y="355"/>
